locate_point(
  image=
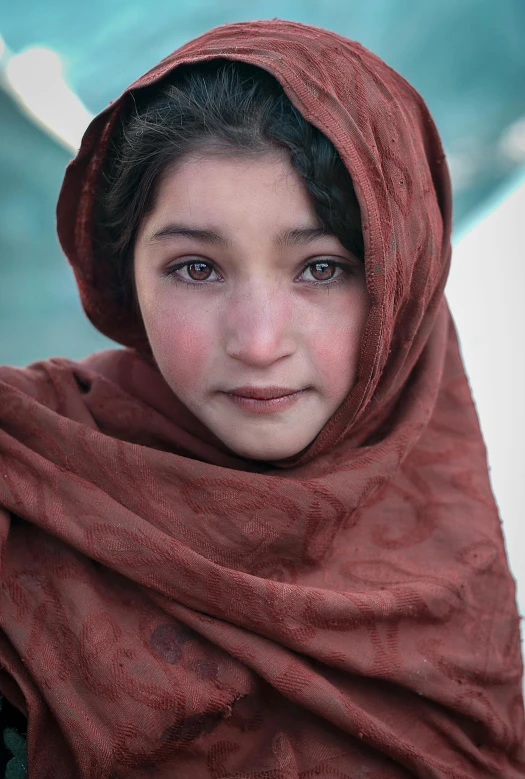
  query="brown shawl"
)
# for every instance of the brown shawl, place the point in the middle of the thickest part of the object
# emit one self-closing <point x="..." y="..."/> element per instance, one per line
<point x="170" y="610"/>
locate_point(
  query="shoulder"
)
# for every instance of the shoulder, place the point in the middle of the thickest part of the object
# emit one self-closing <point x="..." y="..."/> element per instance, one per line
<point x="34" y="381"/>
<point x="48" y="382"/>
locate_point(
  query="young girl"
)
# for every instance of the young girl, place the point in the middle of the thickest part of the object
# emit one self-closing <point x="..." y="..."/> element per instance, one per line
<point x="260" y="541"/>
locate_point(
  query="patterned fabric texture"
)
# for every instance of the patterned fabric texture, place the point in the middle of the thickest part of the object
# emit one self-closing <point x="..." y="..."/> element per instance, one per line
<point x="168" y="609"/>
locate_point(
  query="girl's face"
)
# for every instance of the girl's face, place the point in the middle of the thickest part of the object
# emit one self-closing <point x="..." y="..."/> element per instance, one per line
<point x="240" y="290"/>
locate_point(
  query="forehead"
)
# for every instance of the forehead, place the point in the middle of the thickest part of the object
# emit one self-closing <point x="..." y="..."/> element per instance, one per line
<point x="221" y="184"/>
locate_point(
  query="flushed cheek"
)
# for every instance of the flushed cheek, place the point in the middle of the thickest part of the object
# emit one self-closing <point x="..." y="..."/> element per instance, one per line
<point x="182" y="345"/>
<point x="334" y="348"/>
<point x="335" y="366"/>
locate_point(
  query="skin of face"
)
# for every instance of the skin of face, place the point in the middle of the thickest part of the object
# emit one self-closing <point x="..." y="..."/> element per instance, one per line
<point x="254" y="308"/>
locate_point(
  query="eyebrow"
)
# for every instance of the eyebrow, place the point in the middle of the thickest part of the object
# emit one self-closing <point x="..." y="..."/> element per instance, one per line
<point x="296" y="237"/>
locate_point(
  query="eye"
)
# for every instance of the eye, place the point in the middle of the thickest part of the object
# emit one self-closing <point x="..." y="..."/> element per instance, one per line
<point x="198" y="271"/>
<point x="323" y="272"/>
<point x="326" y="271"/>
<point x="191" y="271"/>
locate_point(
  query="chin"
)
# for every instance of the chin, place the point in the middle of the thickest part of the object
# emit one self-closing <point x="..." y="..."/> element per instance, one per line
<point x="271" y="451"/>
<point x="265" y="456"/>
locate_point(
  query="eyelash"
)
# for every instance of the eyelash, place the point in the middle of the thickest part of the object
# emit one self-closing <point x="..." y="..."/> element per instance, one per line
<point x="171" y="273"/>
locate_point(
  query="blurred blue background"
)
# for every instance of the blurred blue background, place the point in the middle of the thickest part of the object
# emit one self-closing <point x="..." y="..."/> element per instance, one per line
<point x="466" y="58"/>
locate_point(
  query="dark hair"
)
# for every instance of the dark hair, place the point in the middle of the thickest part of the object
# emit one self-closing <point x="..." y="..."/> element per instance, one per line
<point x="218" y="107"/>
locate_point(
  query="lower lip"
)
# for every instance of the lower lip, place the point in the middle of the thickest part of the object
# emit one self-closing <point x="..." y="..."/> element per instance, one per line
<point x="265" y="406"/>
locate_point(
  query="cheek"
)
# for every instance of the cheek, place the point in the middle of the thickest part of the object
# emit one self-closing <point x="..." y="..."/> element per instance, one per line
<point x="336" y="345"/>
<point x="181" y="341"/>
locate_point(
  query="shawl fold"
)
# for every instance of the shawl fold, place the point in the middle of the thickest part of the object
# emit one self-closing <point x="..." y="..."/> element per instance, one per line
<point x="168" y="608"/>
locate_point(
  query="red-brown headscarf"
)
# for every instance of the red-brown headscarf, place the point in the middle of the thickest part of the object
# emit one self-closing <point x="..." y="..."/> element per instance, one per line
<point x="171" y="610"/>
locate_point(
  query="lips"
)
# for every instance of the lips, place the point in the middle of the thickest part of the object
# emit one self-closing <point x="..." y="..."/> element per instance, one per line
<point x="263" y="393"/>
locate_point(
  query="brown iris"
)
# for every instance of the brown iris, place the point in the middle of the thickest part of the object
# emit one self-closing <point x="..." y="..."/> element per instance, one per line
<point x="198" y="271"/>
<point x="325" y="269"/>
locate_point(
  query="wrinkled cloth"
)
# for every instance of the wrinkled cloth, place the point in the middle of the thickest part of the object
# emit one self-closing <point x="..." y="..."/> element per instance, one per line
<point x="168" y="608"/>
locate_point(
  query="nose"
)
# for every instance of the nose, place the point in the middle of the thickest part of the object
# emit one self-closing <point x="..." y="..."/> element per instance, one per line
<point x="259" y="326"/>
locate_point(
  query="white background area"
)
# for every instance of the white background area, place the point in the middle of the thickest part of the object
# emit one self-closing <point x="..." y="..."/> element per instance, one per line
<point x="486" y="295"/>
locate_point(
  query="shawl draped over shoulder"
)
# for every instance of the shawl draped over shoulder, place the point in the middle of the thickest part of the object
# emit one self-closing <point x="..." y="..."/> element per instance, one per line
<point x="170" y="609"/>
